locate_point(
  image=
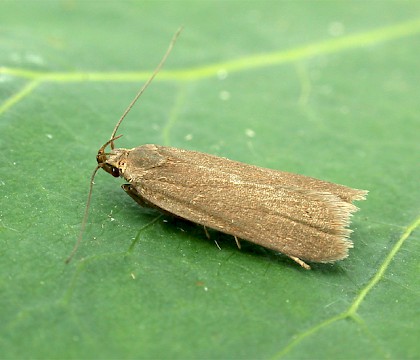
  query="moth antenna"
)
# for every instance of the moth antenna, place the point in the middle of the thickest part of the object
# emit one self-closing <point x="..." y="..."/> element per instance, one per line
<point x="85" y="216"/>
<point x="113" y="138"/>
<point x="145" y="86"/>
<point x="103" y="147"/>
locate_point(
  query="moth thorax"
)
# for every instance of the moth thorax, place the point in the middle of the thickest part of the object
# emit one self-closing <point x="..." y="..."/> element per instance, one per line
<point x="118" y="159"/>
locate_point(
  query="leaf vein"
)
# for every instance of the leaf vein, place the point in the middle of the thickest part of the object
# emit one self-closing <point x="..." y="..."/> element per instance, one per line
<point x="351" y="311"/>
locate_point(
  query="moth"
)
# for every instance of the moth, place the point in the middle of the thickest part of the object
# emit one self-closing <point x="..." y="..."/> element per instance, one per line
<point x="301" y="217"/>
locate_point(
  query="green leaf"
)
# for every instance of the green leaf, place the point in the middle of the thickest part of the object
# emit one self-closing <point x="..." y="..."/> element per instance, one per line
<point x="325" y="89"/>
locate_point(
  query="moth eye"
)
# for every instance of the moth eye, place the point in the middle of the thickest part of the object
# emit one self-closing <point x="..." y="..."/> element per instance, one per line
<point x="115" y="172"/>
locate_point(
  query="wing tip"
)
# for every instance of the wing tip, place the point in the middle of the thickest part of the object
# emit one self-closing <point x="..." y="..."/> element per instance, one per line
<point x="337" y="243"/>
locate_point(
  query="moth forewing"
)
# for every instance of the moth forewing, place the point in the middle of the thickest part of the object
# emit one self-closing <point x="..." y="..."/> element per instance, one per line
<point x="302" y="217"/>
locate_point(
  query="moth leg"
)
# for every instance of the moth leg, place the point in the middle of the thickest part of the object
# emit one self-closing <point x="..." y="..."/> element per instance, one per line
<point x="238" y="244"/>
<point x="206" y="232"/>
<point x="300" y="262"/>
<point x="208" y="237"/>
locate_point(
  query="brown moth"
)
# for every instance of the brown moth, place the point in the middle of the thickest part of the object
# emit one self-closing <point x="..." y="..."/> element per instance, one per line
<point x="299" y="216"/>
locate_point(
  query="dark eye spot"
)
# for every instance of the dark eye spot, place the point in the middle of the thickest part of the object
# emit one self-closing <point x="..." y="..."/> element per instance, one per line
<point x="115" y="172"/>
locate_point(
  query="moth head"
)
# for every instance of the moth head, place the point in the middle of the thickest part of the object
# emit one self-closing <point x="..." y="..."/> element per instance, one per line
<point x="107" y="161"/>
